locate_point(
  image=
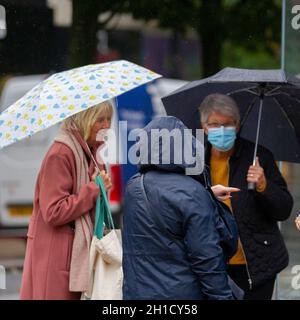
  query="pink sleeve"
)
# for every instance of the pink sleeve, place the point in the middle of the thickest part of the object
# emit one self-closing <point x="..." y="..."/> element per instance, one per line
<point x="57" y="203"/>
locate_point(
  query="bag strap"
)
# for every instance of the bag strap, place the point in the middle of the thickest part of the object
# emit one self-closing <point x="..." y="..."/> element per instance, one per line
<point x="157" y="218"/>
<point x="103" y="216"/>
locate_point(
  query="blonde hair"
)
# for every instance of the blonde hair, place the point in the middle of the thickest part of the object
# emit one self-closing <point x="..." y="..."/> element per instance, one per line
<point x="84" y="120"/>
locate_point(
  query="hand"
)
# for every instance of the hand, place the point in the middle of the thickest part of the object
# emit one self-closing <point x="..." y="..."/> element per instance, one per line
<point x="95" y="174"/>
<point x="105" y="178"/>
<point x="256" y="175"/>
<point x="297" y="221"/>
<point x="223" y="193"/>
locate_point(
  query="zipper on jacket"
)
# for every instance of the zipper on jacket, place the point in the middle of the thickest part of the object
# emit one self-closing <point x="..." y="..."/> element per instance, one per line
<point x="249" y="277"/>
<point x="247" y="269"/>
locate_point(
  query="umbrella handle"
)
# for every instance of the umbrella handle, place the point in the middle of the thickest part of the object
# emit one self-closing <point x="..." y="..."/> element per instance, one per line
<point x="251" y="186"/>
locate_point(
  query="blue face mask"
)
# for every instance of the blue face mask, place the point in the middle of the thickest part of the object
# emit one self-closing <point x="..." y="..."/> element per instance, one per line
<point x="222" y="138"/>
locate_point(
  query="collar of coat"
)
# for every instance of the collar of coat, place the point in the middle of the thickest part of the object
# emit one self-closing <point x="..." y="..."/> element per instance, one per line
<point x="238" y="147"/>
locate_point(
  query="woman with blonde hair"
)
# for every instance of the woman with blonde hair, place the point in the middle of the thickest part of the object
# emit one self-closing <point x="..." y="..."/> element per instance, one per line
<point x="61" y="226"/>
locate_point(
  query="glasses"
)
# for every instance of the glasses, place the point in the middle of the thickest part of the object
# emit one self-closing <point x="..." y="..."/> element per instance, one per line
<point x="219" y="125"/>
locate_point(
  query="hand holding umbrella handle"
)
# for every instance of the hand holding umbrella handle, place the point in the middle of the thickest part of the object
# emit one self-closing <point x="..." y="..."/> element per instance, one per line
<point x="252" y="185"/>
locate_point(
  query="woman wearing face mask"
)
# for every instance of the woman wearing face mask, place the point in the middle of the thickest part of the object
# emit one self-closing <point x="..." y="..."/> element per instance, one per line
<point x="261" y="253"/>
<point x="61" y="226"/>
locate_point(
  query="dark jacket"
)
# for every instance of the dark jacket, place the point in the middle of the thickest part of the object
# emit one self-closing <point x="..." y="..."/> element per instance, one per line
<point x="257" y="213"/>
<point x="157" y="265"/>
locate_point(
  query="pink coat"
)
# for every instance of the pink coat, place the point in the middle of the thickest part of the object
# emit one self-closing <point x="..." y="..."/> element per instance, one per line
<point x="50" y="236"/>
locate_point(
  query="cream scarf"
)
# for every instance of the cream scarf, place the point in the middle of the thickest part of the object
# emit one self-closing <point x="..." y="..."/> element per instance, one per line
<point x="79" y="270"/>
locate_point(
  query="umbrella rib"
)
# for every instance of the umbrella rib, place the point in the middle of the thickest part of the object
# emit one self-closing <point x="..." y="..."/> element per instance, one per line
<point x="291" y="96"/>
<point x="285" y="114"/>
<point x="270" y="93"/>
<point x="244" y="90"/>
<point x="248" y="111"/>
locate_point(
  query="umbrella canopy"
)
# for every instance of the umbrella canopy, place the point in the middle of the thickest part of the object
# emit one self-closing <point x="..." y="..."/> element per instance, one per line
<point x="67" y="93"/>
<point x="269" y="103"/>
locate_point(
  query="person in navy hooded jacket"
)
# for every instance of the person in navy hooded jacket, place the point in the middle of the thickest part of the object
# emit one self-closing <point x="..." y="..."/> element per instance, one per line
<point x="175" y="244"/>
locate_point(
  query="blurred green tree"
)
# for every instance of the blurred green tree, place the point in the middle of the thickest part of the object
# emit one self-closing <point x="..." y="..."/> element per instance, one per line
<point x="85" y="25"/>
<point x="227" y="29"/>
<point x="254" y="26"/>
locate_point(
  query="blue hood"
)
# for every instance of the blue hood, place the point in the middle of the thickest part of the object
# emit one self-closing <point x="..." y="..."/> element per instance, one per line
<point x="182" y="153"/>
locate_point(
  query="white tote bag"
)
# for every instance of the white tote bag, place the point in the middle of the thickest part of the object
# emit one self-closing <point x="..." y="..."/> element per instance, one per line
<point x="106" y="274"/>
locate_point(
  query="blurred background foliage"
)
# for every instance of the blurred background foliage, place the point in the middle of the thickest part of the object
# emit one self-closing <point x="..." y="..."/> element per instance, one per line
<point x="192" y="38"/>
<point x="238" y="33"/>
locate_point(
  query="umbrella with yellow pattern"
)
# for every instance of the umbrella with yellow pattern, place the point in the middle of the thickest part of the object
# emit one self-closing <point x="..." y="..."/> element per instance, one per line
<point x="67" y="93"/>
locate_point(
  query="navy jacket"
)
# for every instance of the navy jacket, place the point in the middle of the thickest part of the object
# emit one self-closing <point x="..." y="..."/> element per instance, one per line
<point x="189" y="265"/>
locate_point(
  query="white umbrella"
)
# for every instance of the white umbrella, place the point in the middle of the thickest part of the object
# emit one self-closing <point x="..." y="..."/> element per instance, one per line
<point x="67" y="93"/>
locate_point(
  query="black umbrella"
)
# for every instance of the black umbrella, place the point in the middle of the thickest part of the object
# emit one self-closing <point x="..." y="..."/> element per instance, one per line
<point x="269" y="103"/>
